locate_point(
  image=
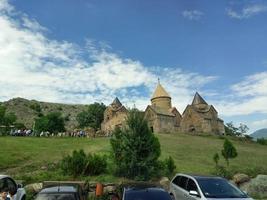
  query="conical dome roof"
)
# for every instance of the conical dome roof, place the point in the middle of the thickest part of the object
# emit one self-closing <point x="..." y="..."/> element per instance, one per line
<point x="160" y="92"/>
<point x="198" y="100"/>
<point x="116" y="102"/>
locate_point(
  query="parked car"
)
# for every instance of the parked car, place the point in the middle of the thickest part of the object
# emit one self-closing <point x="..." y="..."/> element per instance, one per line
<point x="16" y="191"/>
<point x="148" y="193"/>
<point x="191" y="187"/>
<point x="62" y="192"/>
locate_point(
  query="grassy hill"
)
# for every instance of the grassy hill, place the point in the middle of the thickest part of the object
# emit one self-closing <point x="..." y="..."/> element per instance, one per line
<point x="27" y="110"/>
<point x="31" y="157"/>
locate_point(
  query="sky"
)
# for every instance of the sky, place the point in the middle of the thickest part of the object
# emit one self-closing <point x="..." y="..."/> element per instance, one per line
<point x="86" y="51"/>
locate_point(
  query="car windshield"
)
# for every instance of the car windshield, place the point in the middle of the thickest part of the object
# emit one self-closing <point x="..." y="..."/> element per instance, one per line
<point x="147" y="195"/>
<point x="219" y="188"/>
<point x="57" y="196"/>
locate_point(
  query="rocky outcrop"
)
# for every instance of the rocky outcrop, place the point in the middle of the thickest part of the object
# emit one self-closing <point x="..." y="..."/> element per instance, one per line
<point x="238" y="179"/>
<point x="256" y="187"/>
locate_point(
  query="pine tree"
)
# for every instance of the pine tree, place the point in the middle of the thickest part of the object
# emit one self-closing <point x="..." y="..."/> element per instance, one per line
<point x="136" y="150"/>
<point x="229" y="151"/>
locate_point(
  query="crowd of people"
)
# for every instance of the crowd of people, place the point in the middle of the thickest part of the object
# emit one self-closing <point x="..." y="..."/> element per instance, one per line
<point x="29" y="132"/>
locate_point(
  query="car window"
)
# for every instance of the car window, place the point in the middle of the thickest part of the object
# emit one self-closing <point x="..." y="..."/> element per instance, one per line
<point x="2" y="184"/>
<point x="183" y="182"/>
<point x="144" y="195"/>
<point x="58" y="196"/>
<point x="12" y="186"/>
<point x="176" y="180"/>
<point x="191" y="186"/>
<point x="219" y="188"/>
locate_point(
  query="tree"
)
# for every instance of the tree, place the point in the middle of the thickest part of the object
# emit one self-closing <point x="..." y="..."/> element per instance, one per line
<point x="243" y="128"/>
<point x="92" y="117"/>
<point x="136" y="150"/>
<point x="230" y="129"/>
<point x="6" y="119"/>
<point x="52" y="122"/>
<point x="216" y="158"/>
<point x="229" y="151"/>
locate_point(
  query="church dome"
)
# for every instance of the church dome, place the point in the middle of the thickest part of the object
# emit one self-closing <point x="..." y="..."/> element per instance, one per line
<point x="160" y="92"/>
<point x="161" y="99"/>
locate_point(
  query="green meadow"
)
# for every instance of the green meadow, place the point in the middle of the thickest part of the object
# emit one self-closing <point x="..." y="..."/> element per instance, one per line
<point x="36" y="159"/>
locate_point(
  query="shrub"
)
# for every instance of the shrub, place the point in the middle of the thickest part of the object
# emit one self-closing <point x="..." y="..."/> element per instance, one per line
<point x="262" y="141"/>
<point x="96" y="164"/>
<point x="75" y="164"/>
<point x="222" y="171"/>
<point x="81" y="164"/>
<point x="170" y="166"/>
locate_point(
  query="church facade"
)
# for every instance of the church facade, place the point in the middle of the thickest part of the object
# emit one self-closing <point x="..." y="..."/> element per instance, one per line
<point x="114" y="116"/>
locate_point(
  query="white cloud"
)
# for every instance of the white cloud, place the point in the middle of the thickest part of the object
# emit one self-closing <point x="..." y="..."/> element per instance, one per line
<point x="247" y="11"/>
<point x="247" y="97"/>
<point x="260" y="123"/>
<point x="192" y="14"/>
<point x="35" y="67"/>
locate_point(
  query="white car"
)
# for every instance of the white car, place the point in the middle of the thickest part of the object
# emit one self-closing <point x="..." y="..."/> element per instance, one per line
<point x="191" y="187"/>
<point x="16" y="192"/>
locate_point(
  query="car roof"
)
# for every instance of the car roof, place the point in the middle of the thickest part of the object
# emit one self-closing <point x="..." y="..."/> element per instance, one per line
<point x="4" y="176"/>
<point x="200" y="177"/>
<point x="59" y="189"/>
<point x="143" y="189"/>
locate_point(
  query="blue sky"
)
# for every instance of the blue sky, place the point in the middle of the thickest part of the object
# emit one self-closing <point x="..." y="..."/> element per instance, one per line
<point x="81" y="51"/>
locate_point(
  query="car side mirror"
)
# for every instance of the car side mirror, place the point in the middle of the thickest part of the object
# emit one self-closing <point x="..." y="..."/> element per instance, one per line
<point x="19" y="185"/>
<point x="194" y="193"/>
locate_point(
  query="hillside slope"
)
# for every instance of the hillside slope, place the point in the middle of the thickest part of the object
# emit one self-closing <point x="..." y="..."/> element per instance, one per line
<point x="27" y="110"/>
<point x="261" y="133"/>
<point x="192" y="154"/>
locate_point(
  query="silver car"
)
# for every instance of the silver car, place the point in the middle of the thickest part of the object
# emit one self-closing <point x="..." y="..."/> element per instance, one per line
<point x="191" y="187"/>
<point x="15" y="190"/>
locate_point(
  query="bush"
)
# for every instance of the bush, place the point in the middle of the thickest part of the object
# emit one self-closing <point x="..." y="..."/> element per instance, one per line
<point x="262" y="141"/>
<point x="222" y="171"/>
<point x="81" y="164"/>
<point x="170" y="166"/>
<point x="96" y="164"/>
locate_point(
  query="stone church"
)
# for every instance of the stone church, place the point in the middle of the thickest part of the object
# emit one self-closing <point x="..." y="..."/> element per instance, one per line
<point x="161" y="116"/>
<point x="199" y="117"/>
<point x="114" y="116"/>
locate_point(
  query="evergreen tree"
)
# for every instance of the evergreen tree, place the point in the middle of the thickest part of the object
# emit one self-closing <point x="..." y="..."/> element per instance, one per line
<point x="136" y="150"/>
<point x="229" y="151"/>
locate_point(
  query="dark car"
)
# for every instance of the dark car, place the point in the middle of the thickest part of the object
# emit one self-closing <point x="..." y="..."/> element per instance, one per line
<point x="149" y="193"/>
<point x="62" y="192"/>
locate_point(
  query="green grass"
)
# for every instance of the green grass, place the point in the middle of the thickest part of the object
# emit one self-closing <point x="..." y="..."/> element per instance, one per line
<point x="23" y="157"/>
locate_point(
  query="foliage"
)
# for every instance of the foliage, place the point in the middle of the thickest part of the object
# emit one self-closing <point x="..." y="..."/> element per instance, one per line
<point x="52" y="122"/>
<point x="216" y="158"/>
<point x="262" y="141"/>
<point x="170" y="165"/>
<point x="36" y="107"/>
<point x="96" y="164"/>
<point x="231" y="130"/>
<point x="222" y="171"/>
<point x="229" y="151"/>
<point x="6" y="119"/>
<point x="81" y="164"/>
<point x="136" y="150"/>
<point x="92" y="117"/>
<point x="74" y="164"/>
